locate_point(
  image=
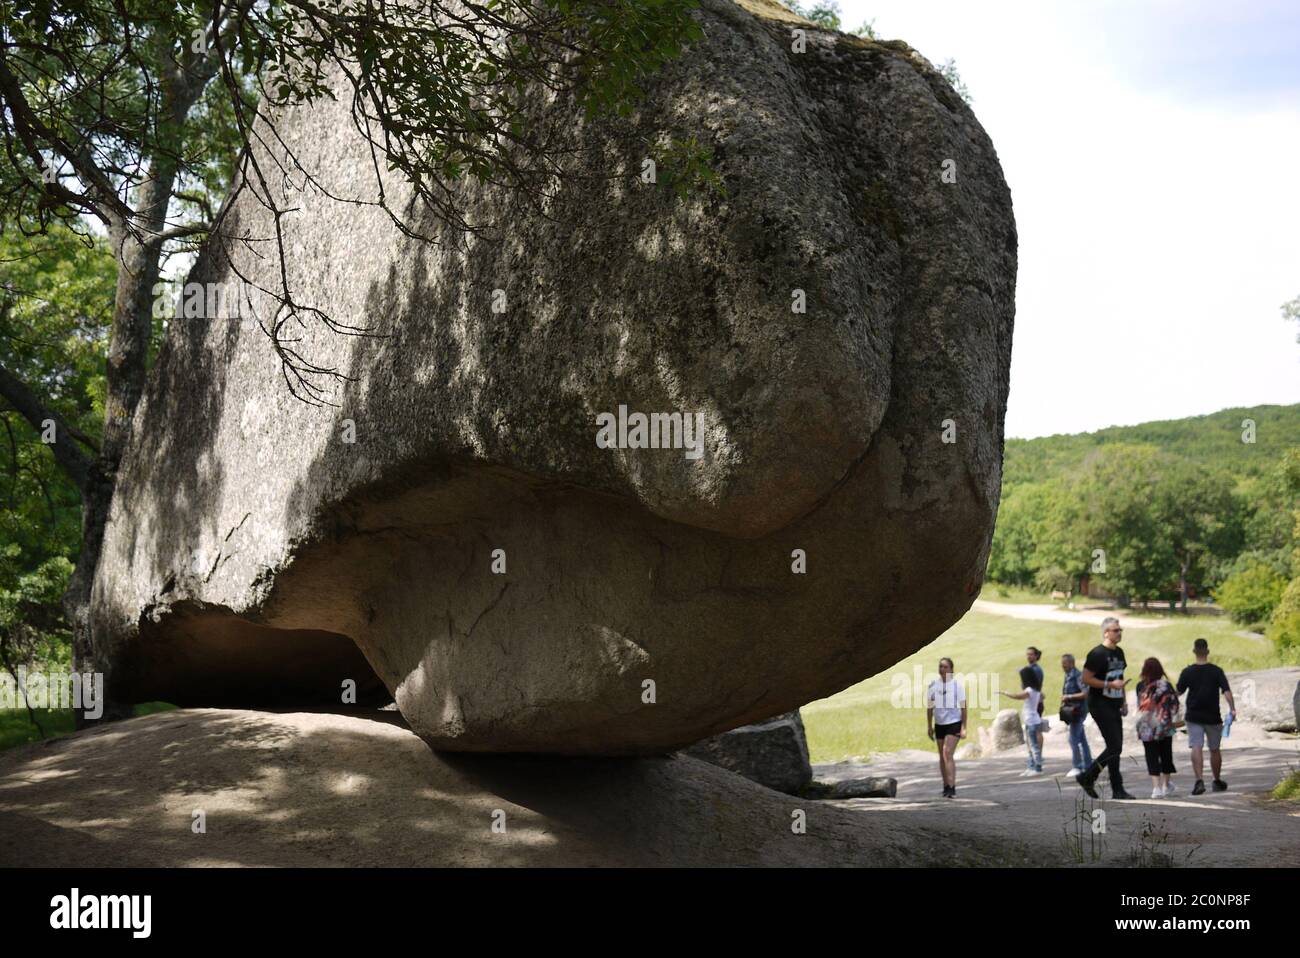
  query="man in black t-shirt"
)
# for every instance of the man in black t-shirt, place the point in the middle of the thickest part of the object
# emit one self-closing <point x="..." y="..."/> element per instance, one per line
<point x="1203" y="682"/>
<point x="1103" y="674"/>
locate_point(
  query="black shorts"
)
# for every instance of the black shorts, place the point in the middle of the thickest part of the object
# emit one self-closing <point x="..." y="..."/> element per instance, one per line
<point x="942" y="731"/>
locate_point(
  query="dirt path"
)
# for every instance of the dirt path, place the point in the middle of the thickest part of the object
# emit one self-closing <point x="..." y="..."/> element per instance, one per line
<point x="1052" y="613"/>
<point x="1032" y="817"/>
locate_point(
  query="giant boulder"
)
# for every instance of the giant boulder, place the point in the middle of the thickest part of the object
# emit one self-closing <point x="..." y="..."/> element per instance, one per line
<point x="450" y="531"/>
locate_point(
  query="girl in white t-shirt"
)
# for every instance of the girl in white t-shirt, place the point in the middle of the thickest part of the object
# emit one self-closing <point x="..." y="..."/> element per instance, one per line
<point x="945" y="719"/>
<point x="1031" y="694"/>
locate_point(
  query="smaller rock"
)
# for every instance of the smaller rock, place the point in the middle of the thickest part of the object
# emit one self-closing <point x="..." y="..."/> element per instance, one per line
<point x="1267" y="697"/>
<point x="857" y="788"/>
<point x="1005" y="733"/>
<point x="773" y="753"/>
<point x="1295" y="704"/>
<point x="967" y="750"/>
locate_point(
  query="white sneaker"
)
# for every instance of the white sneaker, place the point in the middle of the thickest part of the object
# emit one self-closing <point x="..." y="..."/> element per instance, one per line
<point x="1033" y="772"/>
<point x="1026" y="773"/>
<point x="1157" y="793"/>
<point x="1169" y="789"/>
<point x="1073" y="773"/>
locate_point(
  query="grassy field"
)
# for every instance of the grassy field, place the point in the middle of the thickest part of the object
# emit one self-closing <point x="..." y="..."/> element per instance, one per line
<point x="17" y="729"/>
<point x="1024" y="595"/>
<point x="873" y="717"/>
<point x="867" y="717"/>
<point x="995" y="592"/>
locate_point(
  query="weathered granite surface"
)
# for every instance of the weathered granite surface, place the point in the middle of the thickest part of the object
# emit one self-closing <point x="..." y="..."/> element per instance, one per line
<point x="773" y="752"/>
<point x="648" y="599"/>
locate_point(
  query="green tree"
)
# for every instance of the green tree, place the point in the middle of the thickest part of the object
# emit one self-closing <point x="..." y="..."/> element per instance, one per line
<point x="1284" y="625"/>
<point x="824" y="13"/>
<point x="132" y="122"/>
<point x="948" y="70"/>
<point x="1013" y="556"/>
<point x="1289" y="472"/>
<point x="1065" y="550"/>
<point x="1251" y="595"/>
<point x="1291" y="313"/>
<point x="1160" y="520"/>
<point x="56" y="304"/>
<point x="31" y="620"/>
<point x="1270" y="512"/>
<point x="1048" y="538"/>
<point x="1039" y="537"/>
<point x="1201" y="519"/>
<point x="1214" y="441"/>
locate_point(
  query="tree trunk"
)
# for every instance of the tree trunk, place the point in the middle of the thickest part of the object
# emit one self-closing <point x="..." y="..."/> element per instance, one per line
<point x="1182" y="586"/>
<point x="137" y="249"/>
<point x="96" y="498"/>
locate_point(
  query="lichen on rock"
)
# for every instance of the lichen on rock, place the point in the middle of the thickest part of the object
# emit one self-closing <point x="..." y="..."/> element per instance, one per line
<point x="645" y="599"/>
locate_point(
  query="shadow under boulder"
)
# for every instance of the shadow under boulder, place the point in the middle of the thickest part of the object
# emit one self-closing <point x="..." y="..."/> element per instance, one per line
<point x="322" y="789"/>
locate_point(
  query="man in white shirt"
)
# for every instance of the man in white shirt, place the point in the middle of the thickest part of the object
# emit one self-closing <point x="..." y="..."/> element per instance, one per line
<point x="945" y="721"/>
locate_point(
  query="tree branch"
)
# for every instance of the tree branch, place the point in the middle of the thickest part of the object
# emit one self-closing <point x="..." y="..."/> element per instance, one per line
<point x="28" y="126"/>
<point x="71" y="459"/>
<point x="178" y="232"/>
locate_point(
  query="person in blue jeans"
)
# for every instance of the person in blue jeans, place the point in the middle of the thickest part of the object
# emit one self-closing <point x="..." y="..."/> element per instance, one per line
<point x="1031" y="693"/>
<point x="1074" y="707"/>
<point x="1033" y="655"/>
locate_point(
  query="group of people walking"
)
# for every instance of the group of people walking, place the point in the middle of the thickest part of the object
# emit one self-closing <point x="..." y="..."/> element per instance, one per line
<point x="1099" y="689"/>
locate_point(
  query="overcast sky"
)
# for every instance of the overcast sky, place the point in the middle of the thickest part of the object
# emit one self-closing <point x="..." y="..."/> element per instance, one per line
<point x="1153" y="154"/>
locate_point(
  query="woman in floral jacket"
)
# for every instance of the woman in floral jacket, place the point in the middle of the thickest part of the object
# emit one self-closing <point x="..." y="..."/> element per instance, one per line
<point x="1159" y="714"/>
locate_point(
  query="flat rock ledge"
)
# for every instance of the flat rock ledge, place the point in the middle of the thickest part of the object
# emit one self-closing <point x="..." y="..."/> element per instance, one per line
<point x="318" y="789"/>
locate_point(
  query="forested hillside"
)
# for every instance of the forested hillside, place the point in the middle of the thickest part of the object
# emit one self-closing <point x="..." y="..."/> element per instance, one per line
<point x="1214" y="440"/>
<point x="1205" y="506"/>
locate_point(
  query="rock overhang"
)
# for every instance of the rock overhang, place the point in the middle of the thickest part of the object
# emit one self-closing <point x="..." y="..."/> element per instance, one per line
<point x="475" y="431"/>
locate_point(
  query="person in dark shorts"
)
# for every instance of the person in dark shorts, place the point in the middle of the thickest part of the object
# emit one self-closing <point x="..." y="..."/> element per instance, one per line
<point x="1103" y="674"/>
<point x="945" y="721"/>
<point x="1202" y="684"/>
